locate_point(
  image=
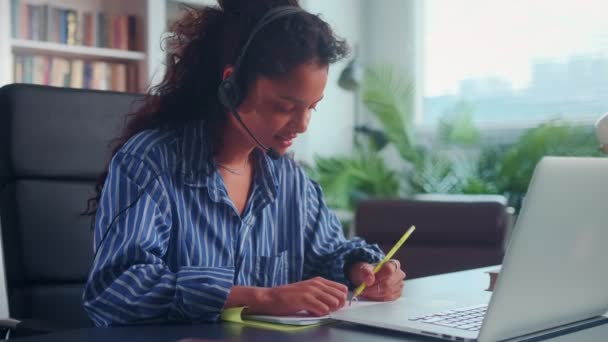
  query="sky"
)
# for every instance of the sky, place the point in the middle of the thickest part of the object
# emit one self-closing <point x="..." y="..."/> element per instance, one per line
<point x="502" y="38"/>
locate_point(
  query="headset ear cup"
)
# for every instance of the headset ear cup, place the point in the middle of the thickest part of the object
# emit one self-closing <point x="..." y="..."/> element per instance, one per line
<point x="228" y="94"/>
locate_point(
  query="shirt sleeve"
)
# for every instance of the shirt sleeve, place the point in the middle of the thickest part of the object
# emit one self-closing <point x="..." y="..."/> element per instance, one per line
<point x="327" y="252"/>
<point x="129" y="281"/>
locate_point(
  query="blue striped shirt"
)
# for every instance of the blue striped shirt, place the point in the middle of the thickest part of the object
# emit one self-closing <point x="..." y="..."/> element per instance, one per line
<point x="174" y="254"/>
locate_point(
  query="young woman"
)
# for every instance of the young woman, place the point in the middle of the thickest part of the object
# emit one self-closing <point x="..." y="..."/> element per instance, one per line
<point x="192" y="216"/>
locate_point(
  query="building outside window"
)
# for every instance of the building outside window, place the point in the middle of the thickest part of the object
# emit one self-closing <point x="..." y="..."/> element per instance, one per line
<point x="514" y="63"/>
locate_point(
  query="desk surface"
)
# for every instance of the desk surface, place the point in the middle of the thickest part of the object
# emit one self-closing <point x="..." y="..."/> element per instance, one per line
<point x="467" y="287"/>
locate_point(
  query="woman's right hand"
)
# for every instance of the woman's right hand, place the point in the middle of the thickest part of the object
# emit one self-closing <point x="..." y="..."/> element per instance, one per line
<point x="318" y="296"/>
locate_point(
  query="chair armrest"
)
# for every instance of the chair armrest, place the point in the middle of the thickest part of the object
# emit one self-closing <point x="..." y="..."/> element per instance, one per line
<point x="9" y="323"/>
<point x="28" y="327"/>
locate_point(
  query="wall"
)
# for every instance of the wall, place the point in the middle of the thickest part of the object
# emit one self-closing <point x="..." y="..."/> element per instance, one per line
<point x="330" y="130"/>
<point x="384" y="32"/>
<point x="390" y="36"/>
<point x="157" y="22"/>
<point x="392" y="33"/>
<point x="5" y="50"/>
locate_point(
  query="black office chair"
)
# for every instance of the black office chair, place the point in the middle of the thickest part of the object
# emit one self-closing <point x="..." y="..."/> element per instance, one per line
<point x="54" y="142"/>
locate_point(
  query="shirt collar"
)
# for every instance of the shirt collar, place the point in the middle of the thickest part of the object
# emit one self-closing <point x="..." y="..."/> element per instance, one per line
<point x="266" y="174"/>
<point x="195" y="154"/>
<point x="198" y="168"/>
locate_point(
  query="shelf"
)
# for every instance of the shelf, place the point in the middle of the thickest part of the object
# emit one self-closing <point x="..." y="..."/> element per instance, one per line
<point x="196" y="2"/>
<point x="23" y="45"/>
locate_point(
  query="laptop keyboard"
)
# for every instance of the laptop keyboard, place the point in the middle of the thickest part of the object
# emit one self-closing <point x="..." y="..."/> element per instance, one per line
<point x="468" y="318"/>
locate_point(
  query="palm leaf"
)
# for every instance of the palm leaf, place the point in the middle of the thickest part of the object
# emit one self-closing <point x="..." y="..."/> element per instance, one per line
<point x="345" y="178"/>
<point x="389" y="97"/>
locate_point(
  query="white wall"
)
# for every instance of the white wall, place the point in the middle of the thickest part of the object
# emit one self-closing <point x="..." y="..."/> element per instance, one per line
<point x="5" y="37"/>
<point x="331" y="126"/>
<point x="390" y="35"/>
<point x="385" y="33"/>
<point x="156" y="15"/>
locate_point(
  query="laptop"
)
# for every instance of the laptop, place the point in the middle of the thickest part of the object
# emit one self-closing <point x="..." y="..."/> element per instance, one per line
<point x="554" y="270"/>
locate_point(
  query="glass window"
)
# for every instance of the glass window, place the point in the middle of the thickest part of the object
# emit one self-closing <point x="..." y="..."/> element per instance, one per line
<point x="514" y="61"/>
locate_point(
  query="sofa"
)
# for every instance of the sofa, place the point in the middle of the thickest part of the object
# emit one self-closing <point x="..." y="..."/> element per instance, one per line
<point x="453" y="233"/>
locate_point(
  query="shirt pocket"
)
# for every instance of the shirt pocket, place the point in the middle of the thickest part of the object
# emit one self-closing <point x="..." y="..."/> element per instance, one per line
<point x="271" y="270"/>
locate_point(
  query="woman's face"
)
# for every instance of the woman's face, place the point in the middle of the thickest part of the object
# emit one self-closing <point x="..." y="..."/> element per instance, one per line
<point x="277" y="110"/>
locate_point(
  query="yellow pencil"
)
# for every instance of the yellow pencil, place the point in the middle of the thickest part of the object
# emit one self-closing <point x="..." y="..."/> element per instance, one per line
<point x="388" y="257"/>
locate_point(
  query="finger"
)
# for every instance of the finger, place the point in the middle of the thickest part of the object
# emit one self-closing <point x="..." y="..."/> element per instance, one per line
<point x="397" y="264"/>
<point x="314" y="306"/>
<point x="391" y="280"/>
<point x="383" y="291"/>
<point x="385" y="271"/>
<point x="391" y="296"/>
<point x="337" y="286"/>
<point x="396" y="293"/>
<point x="331" y="301"/>
<point x="373" y="292"/>
<point x="398" y="287"/>
<point x="336" y="293"/>
<point x="396" y="278"/>
<point x="364" y="273"/>
<point x="371" y="295"/>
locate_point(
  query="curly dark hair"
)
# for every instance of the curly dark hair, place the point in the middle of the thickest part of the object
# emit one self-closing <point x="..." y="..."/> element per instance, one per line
<point x="206" y="40"/>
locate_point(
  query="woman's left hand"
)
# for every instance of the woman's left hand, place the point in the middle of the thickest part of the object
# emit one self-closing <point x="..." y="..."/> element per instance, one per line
<point x="385" y="285"/>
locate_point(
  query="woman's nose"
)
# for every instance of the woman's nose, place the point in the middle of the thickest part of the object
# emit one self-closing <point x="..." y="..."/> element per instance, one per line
<point x="300" y="121"/>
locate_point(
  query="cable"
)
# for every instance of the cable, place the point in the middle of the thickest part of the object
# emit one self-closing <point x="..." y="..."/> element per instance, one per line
<point x="110" y="226"/>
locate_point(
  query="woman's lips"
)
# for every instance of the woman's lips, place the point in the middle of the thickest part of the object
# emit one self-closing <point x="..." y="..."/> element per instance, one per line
<point x="285" y="141"/>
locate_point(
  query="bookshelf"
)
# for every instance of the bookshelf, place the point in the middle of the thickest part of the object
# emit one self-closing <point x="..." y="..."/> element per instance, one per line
<point x="58" y="49"/>
<point x="144" y="58"/>
<point x="96" y="44"/>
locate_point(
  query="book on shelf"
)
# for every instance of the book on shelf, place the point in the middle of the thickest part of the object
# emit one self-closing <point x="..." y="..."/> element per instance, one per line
<point x="75" y="73"/>
<point x="49" y="23"/>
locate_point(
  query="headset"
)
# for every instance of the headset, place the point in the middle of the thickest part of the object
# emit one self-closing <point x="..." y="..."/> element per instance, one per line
<point x="230" y="96"/>
<point x="229" y="92"/>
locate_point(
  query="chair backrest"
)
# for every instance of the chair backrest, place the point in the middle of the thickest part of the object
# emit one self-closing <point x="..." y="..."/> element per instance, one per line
<point x="451" y="235"/>
<point x="54" y="143"/>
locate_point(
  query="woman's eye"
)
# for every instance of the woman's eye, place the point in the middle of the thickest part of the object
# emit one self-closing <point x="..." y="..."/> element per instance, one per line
<point x="283" y="109"/>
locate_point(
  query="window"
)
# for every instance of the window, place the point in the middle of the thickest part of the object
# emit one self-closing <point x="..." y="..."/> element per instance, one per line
<point x="514" y="62"/>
